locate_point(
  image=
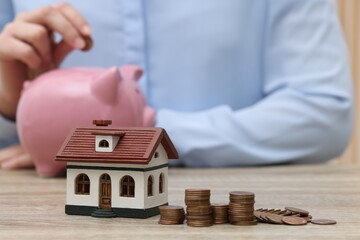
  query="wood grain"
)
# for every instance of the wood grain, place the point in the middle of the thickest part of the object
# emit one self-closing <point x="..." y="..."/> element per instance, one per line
<point x="33" y="207"/>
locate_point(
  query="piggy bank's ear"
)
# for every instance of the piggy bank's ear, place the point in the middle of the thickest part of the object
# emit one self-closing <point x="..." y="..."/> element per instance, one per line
<point x="131" y="72"/>
<point x="105" y="85"/>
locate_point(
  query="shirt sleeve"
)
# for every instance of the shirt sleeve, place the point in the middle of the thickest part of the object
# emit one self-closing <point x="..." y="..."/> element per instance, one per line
<point x="6" y="12"/>
<point x="8" y="135"/>
<point x="306" y="112"/>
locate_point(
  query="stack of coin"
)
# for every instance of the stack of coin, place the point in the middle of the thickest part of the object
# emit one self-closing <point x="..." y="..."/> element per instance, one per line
<point x="241" y="208"/>
<point x="220" y="213"/>
<point x="197" y="197"/>
<point x="171" y="215"/>
<point x="198" y="210"/>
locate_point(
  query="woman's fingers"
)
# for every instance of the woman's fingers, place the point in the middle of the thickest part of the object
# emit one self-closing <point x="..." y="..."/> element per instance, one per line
<point x="75" y="18"/>
<point x="35" y="35"/>
<point x="53" y="19"/>
<point x="10" y="152"/>
<point x="20" y="161"/>
<point x="13" y="48"/>
<point x="28" y="37"/>
<point x="15" y="157"/>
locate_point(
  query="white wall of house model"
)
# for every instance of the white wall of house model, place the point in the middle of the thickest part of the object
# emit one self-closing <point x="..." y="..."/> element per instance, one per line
<point x="141" y="199"/>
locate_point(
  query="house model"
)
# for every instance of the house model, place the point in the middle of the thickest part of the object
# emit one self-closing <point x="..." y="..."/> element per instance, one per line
<point x="116" y="171"/>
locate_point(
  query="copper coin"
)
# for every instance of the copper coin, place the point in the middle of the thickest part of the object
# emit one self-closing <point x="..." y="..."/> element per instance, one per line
<point x="244" y="223"/>
<point x="302" y="212"/>
<point x="202" y="209"/>
<point x="171" y="207"/>
<point x="164" y="222"/>
<point x="242" y="219"/>
<point x="260" y="216"/>
<point x="200" y="218"/>
<point x="219" y="205"/>
<point x="294" y="220"/>
<point x="192" y="224"/>
<point x="323" y="221"/>
<point x="221" y="221"/>
<point x="307" y="218"/>
<point x="242" y="194"/>
<point x="88" y="43"/>
<point x="257" y="213"/>
<point x="197" y="191"/>
<point x="274" y="218"/>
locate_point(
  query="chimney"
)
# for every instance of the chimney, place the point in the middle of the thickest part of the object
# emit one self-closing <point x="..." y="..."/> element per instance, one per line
<point x="102" y="123"/>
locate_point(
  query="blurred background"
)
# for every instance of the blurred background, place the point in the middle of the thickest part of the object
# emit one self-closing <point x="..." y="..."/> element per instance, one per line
<point x="349" y="13"/>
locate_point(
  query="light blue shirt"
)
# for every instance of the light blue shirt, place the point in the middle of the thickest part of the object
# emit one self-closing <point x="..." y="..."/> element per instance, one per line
<point x="234" y="82"/>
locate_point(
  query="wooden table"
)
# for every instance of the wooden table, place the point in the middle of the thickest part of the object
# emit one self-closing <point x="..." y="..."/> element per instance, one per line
<point x="33" y="207"/>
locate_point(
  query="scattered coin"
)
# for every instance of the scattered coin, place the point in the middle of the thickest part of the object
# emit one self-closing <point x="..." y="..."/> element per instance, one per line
<point x="274" y="218"/>
<point x="294" y="220"/>
<point x="303" y="213"/>
<point x="323" y="221"/>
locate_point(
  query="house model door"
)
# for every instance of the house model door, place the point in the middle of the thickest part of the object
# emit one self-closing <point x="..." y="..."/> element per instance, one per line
<point x="105" y="191"/>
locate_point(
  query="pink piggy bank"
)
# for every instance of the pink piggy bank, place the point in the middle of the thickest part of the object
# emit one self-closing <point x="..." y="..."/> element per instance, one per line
<point x="57" y="101"/>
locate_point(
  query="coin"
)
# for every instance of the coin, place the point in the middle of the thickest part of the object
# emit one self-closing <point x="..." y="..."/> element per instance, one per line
<point x="302" y="212"/>
<point x="170" y="207"/>
<point x="199" y="210"/>
<point x="274" y="218"/>
<point x="294" y="220"/>
<point x="241" y="208"/>
<point x="220" y="213"/>
<point x="242" y="194"/>
<point x="88" y="43"/>
<point x="197" y="191"/>
<point x="244" y="223"/>
<point x="323" y="221"/>
<point x="171" y="215"/>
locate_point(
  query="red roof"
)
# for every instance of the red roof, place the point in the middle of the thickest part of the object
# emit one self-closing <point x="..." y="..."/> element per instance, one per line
<point x="136" y="146"/>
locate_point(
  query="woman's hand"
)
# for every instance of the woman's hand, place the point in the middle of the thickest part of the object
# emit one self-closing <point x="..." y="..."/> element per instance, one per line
<point x="15" y="157"/>
<point x="27" y="44"/>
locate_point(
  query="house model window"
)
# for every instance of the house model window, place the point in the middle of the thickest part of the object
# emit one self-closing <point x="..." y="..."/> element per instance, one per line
<point x="103" y="144"/>
<point x="150" y="186"/>
<point x="82" y="184"/>
<point x="127" y="186"/>
<point x="161" y="183"/>
<point x="107" y="141"/>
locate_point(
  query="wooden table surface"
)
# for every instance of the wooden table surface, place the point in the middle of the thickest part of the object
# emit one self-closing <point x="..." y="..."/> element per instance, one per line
<point x="33" y="208"/>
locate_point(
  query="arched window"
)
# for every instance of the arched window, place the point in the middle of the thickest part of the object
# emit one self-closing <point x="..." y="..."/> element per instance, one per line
<point x="127" y="186"/>
<point x="161" y="183"/>
<point x="82" y="184"/>
<point x="103" y="144"/>
<point x="150" y="184"/>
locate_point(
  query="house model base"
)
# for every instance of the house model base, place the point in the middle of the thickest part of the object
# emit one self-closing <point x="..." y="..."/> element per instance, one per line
<point x="113" y="212"/>
<point x="116" y="172"/>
